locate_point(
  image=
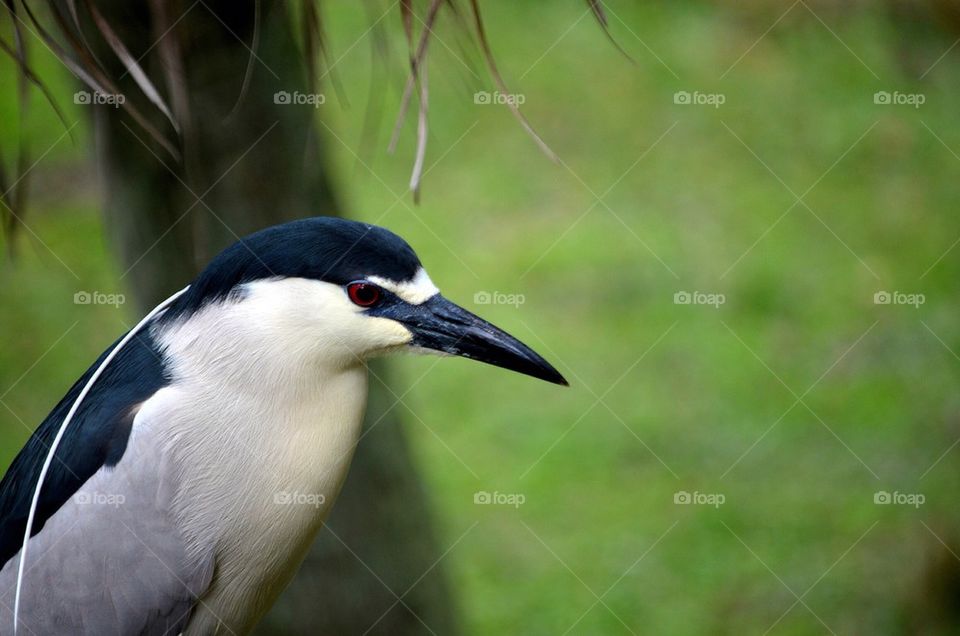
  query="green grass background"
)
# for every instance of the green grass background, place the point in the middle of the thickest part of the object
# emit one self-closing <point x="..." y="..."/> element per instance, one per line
<point x="664" y="397"/>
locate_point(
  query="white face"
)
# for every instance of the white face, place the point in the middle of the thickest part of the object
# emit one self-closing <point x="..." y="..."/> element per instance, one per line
<point x="285" y="330"/>
<point x="282" y="330"/>
<point x="321" y="320"/>
<point x="415" y="291"/>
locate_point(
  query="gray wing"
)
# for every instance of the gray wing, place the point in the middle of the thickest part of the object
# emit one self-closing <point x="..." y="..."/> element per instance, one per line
<point x="112" y="559"/>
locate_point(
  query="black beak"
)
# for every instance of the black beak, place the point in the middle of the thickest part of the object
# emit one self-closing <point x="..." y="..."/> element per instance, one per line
<point x="440" y="325"/>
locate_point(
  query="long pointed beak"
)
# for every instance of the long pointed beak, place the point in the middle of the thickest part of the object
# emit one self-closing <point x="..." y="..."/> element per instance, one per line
<point x="441" y="325"/>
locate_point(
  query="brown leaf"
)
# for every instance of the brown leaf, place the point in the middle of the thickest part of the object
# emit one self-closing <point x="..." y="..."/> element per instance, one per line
<point x="131" y="64"/>
<point x="502" y="86"/>
<point x="416" y="58"/>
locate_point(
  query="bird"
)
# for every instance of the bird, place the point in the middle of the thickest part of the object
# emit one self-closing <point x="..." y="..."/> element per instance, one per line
<point x="186" y="473"/>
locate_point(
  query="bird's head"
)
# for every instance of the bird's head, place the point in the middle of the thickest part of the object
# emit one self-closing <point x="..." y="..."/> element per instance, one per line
<point x="344" y="292"/>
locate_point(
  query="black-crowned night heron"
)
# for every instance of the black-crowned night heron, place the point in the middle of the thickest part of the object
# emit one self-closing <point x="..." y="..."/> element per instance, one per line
<point x="179" y="483"/>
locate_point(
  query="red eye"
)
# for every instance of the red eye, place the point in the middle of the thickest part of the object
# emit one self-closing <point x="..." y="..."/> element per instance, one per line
<point x="363" y="294"/>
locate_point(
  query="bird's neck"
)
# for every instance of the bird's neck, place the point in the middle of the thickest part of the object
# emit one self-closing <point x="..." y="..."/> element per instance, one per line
<point x="264" y="434"/>
<point x="253" y="392"/>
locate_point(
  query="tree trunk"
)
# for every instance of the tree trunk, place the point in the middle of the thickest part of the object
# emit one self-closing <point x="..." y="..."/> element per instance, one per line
<point x="260" y="166"/>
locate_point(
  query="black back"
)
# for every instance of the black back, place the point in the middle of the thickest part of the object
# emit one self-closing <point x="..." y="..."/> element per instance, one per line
<point x="97" y="437"/>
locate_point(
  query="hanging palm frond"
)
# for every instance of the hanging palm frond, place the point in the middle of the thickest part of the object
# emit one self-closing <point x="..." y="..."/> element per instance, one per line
<point x="167" y="121"/>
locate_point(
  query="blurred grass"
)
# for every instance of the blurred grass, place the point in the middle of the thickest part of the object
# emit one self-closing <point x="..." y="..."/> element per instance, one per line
<point x="664" y="397"/>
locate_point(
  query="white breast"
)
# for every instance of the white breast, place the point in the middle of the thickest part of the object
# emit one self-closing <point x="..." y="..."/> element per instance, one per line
<point x="262" y="426"/>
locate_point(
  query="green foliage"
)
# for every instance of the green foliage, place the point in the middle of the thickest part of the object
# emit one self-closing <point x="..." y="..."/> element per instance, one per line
<point x="665" y="397"/>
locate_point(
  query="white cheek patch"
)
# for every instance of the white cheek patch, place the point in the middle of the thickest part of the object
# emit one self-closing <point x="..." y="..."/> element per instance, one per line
<point x="415" y="291"/>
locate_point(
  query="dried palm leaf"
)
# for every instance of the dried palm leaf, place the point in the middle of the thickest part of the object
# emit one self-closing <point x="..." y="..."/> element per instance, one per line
<point x="596" y="6"/>
<point x="251" y="59"/>
<point x="78" y="56"/>
<point x="88" y="71"/>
